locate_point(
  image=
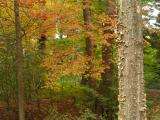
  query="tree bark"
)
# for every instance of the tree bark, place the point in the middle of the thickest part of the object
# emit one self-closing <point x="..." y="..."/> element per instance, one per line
<point x="86" y="78"/>
<point x="107" y="50"/>
<point x="107" y="57"/>
<point x="130" y="62"/>
<point x="19" y="62"/>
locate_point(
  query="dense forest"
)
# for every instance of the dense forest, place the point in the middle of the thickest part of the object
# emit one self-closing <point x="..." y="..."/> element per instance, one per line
<point x="79" y="60"/>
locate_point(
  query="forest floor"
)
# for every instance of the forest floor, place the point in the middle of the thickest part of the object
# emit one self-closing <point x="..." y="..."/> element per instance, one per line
<point x="153" y="104"/>
<point x="39" y="110"/>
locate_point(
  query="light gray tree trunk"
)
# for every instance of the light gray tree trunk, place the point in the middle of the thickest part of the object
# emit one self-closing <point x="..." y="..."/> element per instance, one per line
<point x="130" y="62"/>
<point x="19" y="61"/>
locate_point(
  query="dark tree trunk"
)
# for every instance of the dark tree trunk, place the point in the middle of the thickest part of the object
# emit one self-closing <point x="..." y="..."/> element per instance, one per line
<point x="107" y="57"/>
<point x="86" y="78"/>
<point x="107" y="49"/>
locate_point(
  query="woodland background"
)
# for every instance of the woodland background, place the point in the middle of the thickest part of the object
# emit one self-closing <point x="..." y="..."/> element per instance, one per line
<point x="70" y="59"/>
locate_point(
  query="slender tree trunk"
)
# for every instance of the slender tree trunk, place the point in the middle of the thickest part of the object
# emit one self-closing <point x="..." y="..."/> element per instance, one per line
<point x="130" y="62"/>
<point x="19" y="62"/>
<point x="86" y="78"/>
<point x="107" y="57"/>
<point x="107" y="49"/>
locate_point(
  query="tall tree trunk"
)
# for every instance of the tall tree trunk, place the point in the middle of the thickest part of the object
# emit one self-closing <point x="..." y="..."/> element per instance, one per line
<point x="19" y="62"/>
<point x="107" y="79"/>
<point x="130" y="62"/>
<point x="107" y="49"/>
<point x="86" y="78"/>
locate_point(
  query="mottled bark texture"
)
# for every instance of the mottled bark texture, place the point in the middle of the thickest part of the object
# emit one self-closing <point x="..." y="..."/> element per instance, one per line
<point x="86" y="78"/>
<point x="19" y="62"/>
<point x="130" y="62"/>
